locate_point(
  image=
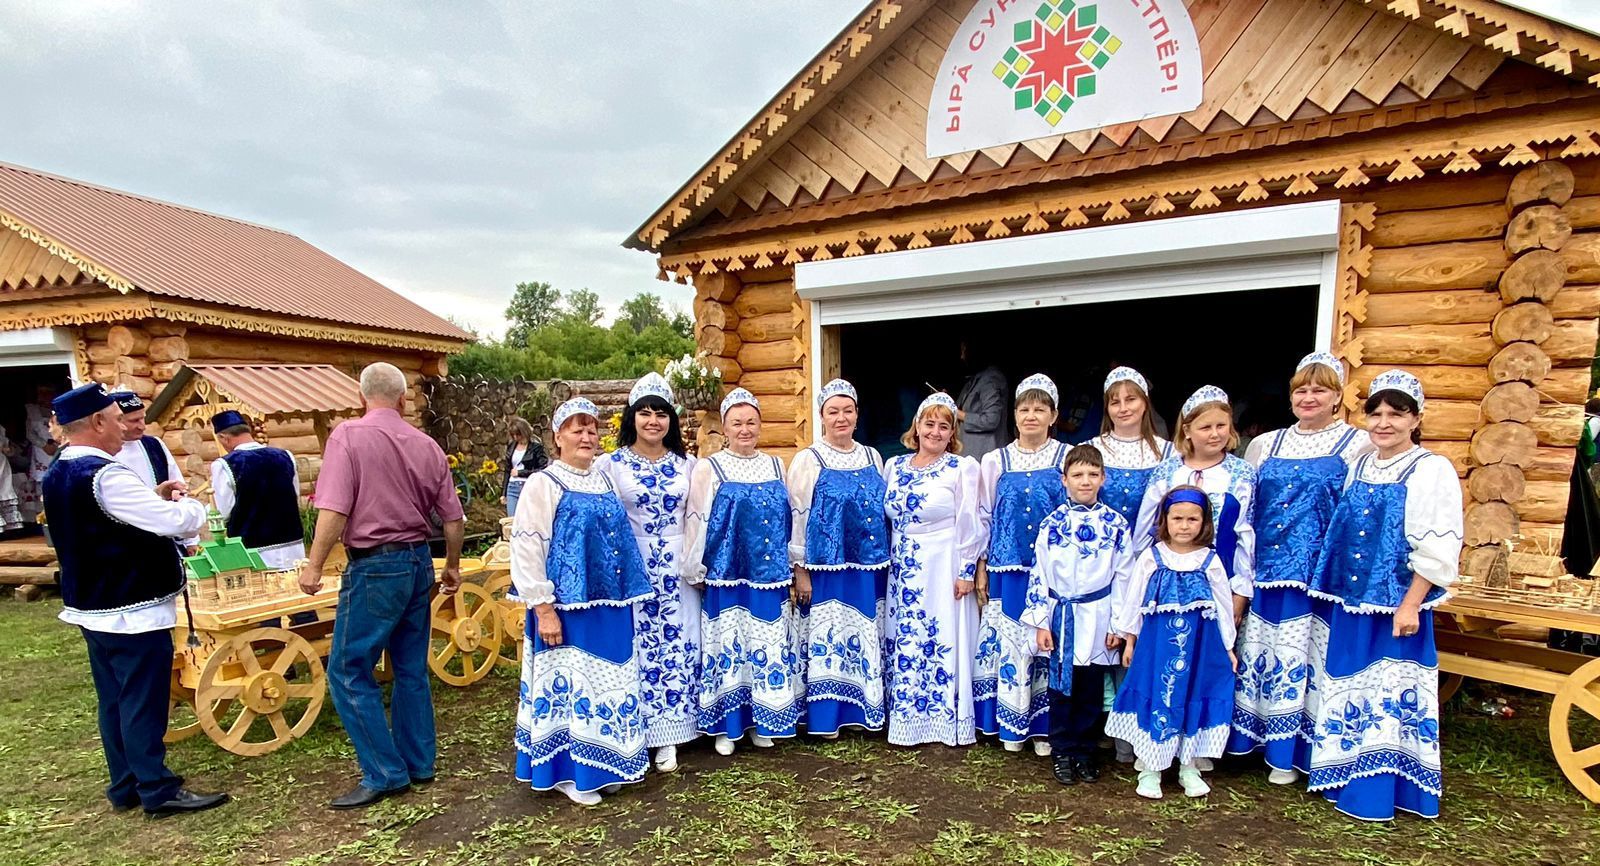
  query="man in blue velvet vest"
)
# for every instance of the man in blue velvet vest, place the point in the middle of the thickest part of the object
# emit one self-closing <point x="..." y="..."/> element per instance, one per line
<point x="120" y="576"/>
<point x="256" y="489"/>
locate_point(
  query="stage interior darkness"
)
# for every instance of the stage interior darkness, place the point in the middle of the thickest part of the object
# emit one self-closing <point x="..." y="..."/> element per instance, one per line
<point x="1245" y="342"/>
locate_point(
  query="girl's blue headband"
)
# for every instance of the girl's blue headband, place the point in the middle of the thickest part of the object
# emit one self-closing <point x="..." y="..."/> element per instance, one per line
<point x="1193" y="497"/>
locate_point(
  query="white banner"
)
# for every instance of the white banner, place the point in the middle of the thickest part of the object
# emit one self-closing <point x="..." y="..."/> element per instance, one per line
<point x="1024" y="69"/>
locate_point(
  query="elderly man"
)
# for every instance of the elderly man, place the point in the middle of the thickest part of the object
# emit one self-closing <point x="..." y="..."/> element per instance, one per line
<point x="147" y="456"/>
<point x="256" y="489"/>
<point x="382" y="483"/>
<point x="120" y="574"/>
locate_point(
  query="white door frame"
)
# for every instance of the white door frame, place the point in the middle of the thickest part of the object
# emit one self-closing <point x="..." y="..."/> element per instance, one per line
<point x="39" y="346"/>
<point x="1261" y="248"/>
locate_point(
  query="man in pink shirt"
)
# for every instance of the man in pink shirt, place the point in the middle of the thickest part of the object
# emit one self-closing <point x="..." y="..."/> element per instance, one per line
<point x="381" y="485"/>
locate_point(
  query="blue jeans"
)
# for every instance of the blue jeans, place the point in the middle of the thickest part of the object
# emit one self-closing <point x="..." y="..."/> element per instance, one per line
<point x="383" y="605"/>
<point x="513" y="493"/>
<point x="132" y="678"/>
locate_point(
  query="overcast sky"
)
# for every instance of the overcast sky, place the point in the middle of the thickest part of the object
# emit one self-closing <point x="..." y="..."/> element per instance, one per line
<point x="448" y="149"/>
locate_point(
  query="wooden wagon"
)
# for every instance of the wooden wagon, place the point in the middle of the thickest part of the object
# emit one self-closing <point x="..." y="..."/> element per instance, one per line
<point x="255" y="680"/>
<point x="1492" y="629"/>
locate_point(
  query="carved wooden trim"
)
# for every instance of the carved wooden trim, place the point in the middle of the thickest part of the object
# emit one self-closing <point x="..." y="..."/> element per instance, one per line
<point x="1350" y="299"/>
<point x="62" y="251"/>
<point x="1520" y="35"/>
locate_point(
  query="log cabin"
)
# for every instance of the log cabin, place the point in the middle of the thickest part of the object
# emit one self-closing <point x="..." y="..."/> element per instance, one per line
<point x="1205" y="190"/>
<point x="99" y="284"/>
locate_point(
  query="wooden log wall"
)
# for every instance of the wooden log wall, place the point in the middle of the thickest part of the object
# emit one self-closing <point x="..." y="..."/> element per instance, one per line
<point x="755" y="329"/>
<point x="145" y="355"/>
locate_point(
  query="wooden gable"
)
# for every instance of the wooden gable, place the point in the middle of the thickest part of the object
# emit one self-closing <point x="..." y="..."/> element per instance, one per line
<point x="27" y="265"/>
<point x="853" y="126"/>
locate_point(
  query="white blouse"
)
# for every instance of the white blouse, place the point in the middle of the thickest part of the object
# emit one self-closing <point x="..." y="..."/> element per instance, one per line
<point x="1299" y="445"/>
<point x="1128" y="617"/>
<point x="1130" y="453"/>
<point x="939" y="497"/>
<point x="805" y="469"/>
<point x="1433" y="509"/>
<point x="1049" y="456"/>
<point x="1232" y="477"/>
<point x="703" y="485"/>
<point x="534" y="523"/>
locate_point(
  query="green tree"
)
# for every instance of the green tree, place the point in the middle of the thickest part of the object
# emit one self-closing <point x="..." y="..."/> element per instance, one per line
<point x="682" y="323"/>
<point x="584" y="306"/>
<point x="642" y="310"/>
<point x="533" y="307"/>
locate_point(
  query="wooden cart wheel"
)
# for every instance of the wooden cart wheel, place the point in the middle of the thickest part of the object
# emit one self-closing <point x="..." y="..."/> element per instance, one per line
<point x="1449" y="684"/>
<point x="465" y="641"/>
<point x="272" y="678"/>
<point x="1580" y="690"/>
<point x="513" y="620"/>
<point x="182" y="721"/>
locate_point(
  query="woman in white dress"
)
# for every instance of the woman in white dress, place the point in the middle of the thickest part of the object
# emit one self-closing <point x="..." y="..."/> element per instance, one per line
<point x="932" y="503"/>
<point x="650" y="472"/>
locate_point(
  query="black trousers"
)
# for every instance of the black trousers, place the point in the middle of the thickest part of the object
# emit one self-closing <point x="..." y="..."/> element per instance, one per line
<point x="132" y="680"/>
<point x="1075" y="718"/>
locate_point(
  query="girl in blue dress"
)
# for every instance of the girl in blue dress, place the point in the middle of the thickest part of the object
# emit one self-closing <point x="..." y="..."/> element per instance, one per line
<point x="840" y="556"/>
<point x="1392" y="548"/>
<point x="1020" y="485"/>
<point x="736" y="543"/>
<point x="650" y="472"/>
<point x="1176" y="620"/>
<point x="1300" y="473"/>
<point x="580" y="728"/>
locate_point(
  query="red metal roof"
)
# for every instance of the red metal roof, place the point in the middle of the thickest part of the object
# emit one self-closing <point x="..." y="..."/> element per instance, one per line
<point x="179" y="252"/>
<point x="285" y="389"/>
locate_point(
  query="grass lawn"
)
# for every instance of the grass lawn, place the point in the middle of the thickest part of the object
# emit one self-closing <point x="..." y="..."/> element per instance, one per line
<point x="851" y="801"/>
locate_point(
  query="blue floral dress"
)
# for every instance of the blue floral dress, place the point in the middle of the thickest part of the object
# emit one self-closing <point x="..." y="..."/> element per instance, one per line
<point x="936" y="539"/>
<point x="1375" y="705"/>
<point x="655" y="494"/>
<point x="579" y="721"/>
<point x="736" y="542"/>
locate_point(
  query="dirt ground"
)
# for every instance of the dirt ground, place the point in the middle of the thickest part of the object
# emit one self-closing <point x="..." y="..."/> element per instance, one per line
<point x="856" y="800"/>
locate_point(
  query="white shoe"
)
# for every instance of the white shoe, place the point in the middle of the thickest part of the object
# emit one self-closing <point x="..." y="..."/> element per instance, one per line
<point x="1041" y="748"/>
<point x="611" y="789"/>
<point x="724" y="745"/>
<point x="582" y="798"/>
<point x="1149" y="785"/>
<point x="1189" y="778"/>
<point x="1011" y="747"/>
<point x="667" y="759"/>
<point x="760" y="742"/>
<point x="831" y="736"/>
<point x="1283" y="777"/>
<point x="1204" y="765"/>
<point x="1125" y="753"/>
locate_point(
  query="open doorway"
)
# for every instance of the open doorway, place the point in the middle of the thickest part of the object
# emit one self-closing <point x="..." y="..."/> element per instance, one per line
<point x="1246" y="342"/>
<point x="26" y="439"/>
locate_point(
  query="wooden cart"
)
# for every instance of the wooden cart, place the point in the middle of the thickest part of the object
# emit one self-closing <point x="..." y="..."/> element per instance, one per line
<point x="257" y="681"/>
<point x="1471" y="644"/>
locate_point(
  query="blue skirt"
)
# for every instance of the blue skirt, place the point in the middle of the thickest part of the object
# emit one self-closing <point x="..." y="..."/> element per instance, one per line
<point x="579" y="719"/>
<point x="1277" y="671"/>
<point x="1010" y="682"/>
<point x="844" y="650"/>
<point x="1375" y="710"/>
<point x="752" y="678"/>
<point x="1176" y="702"/>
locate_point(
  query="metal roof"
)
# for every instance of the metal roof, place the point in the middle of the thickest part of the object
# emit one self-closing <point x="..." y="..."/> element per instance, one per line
<point x="166" y="249"/>
<point x="270" y="389"/>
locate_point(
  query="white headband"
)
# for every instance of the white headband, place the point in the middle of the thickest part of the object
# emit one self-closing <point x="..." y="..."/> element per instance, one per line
<point x="1127" y="374"/>
<point x="837" y="388"/>
<point x="937" y="398"/>
<point x="1039" y="382"/>
<point x="1206" y="394"/>
<point x="739" y="396"/>
<point x="1326" y="359"/>
<point x="650" y="385"/>
<point x="575" y="406"/>
<point x="1398" y="380"/>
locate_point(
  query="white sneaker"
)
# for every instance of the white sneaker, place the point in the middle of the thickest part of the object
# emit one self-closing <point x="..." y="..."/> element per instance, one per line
<point x="1149" y="785"/>
<point x="1283" y="777"/>
<point x="1189" y="778"/>
<point x="611" y="789"/>
<point x="724" y="745"/>
<point x="1041" y="748"/>
<point x="760" y="742"/>
<point x="1125" y="753"/>
<point x="667" y="759"/>
<point x="1204" y="765"/>
<point x="582" y="798"/>
<point x="1011" y="747"/>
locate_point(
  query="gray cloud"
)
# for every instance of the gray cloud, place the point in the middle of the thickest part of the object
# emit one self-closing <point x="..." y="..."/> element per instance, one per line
<point x="447" y="149"/>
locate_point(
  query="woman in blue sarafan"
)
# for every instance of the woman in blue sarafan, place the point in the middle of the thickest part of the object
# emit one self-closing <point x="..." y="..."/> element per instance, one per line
<point x="840" y="555"/>
<point x="736" y="543"/>
<point x="1300" y="474"/>
<point x="1128" y="442"/>
<point x="1020" y="485"/>
<point x="580" y="726"/>
<point x="1392" y="548"/>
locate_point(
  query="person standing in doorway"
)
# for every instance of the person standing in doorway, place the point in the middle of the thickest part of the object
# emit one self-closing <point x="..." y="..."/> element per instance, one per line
<point x="382" y="484"/>
<point x="120" y="578"/>
<point x="256" y="489"/>
<point x="39" y="445"/>
<point x="981" y="403"/>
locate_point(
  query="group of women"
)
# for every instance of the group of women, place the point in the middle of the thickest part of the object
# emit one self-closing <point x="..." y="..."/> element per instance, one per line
<point x="1276" y="599"/>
